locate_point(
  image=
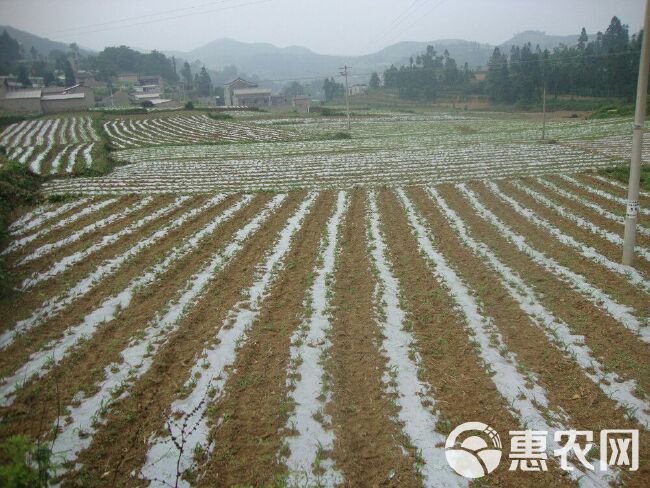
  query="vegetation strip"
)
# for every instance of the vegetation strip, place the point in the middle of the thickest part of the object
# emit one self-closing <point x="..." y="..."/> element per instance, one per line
<point x="53" y="352"/>
<point x="77" y="235"/>
<point x="32" y="214"/>
<point x="590" y="205"/>
<point x="64" y="263"/>
<point x="617" y="184"/>
<point x="555" y="329"/>
<point x="170" y="456"/>
<point x="38" y="220"/>
<point x="138" y="356"/>
<point x="308" y="345"/>
<point x="22" y="242"/>
<point x="53" y="305"/>
<point x="523" y="394"/>
<point x="632" y="275"/>
<point x="579" y="221"/>
<point x="419" y="420"/>
<point x="601" y="193"/>
<point x="621" y="313"/>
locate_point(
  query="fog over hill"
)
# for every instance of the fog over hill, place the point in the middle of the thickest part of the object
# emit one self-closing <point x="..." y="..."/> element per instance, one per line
<point x="42" y="44"/>
<point x="270" y="62"/>
<point x="274" y="63"/>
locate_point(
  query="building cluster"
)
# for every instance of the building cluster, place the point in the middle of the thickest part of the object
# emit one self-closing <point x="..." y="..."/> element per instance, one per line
<point x="134" y="90"/>
<point x="242" y="93"/>
<point x="131" y="90"/>
<point x="15" y="98"/>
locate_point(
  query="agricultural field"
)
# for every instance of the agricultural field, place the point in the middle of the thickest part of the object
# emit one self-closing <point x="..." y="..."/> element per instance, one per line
<point x="51" y="146"/>
<point x="259" y="302"/>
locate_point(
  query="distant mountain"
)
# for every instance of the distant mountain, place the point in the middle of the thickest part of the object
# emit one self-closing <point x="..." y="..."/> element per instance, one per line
<point x="544" y="40"/>
<point x="42" y="44"/>
<point x="274" y="63"/>
<point x="269" y="62"/>
<point x="265" y="60"/>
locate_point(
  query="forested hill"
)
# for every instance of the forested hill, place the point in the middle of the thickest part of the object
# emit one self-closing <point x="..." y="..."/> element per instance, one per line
<point x="43" y="45"/>
<point x="271" y="62"/>
<point x="605" y="65"/>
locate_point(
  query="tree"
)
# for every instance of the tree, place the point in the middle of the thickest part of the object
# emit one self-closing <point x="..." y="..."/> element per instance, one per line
<point x="75" y="50"/>
<point x="186" y="74"/>
<point x="70" y="79"/>
<point x="293" y="89"/>
<point x="9" y="53"/>
<point x="497" y="79"/>
<point x="374" y="81"/>
<point x="23" y="76"/>
<point x="333" y="89"/>
<point x="583" y="39"/>
<point x="204" y="83"/>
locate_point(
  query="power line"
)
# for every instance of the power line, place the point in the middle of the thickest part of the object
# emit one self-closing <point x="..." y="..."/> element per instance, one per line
<point x="176" y="17"/>
<point x="138" y="17"/>
<point x="428" y="12"/>
<point x="400" y="18"/>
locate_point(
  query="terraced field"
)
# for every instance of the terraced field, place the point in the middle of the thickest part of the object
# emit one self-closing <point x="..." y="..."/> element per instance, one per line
<point x="51" y="146"/>
<point x="175" y="326"/>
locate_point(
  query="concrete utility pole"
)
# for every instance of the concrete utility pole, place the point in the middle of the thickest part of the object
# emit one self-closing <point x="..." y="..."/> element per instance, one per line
<point x="344" y="72"/>
<point x="637" y="144"/>
<point x="544" y="113"/>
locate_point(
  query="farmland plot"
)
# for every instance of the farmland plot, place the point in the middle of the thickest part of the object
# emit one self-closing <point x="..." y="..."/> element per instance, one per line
<point x="179" y="153"/>
<point x="193" y="129"/>
<point x="319" y="336"/>
<point x="51" y="146"/>
<point x="338" y="170"/>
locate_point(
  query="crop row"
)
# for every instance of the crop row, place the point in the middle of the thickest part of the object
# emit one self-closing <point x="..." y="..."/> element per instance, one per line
<point x="151" y="316"/>
<point x="49" y="132"/>
<point x="195" y="129"/>
<point x="339" y="170"/>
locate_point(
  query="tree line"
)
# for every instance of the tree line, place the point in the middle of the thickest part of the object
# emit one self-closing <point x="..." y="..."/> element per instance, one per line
<point x="427" y="76"/>
<point x="606" y="66"/>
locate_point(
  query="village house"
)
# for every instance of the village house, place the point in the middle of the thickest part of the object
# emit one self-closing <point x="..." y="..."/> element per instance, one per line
<point x="230" y="87"/>
<point x="21" y="101"/>
<point x="358" y="89"/>
<point x="242" y="93"/>
<point x="302" y="104"/>
<point x="47" y="100"/>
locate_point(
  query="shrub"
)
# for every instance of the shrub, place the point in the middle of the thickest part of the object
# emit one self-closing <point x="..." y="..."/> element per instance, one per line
<point x="220" y="116"/>
<point x="23" y="464"/>
<point x="11" y="119"/>
<point x="189" y="105"/>
<point x="147" y="104"/>
<point x="621" y="173"/>
<point x="328" y="112"/>
<point x="18" y="187"/>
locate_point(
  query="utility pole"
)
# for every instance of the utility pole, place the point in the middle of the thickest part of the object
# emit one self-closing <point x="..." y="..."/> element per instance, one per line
<point x="637" y="143"/>
<point x="110" y="87"/>
<point x="544" y="113"/>
<point x="344" y="72"/>
<point x="544" y="99"/>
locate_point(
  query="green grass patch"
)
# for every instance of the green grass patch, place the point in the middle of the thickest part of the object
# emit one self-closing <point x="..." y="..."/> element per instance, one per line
<point x="24" y="464"/>
<point x="18" y="188"/>
<point x="220" y="116"/>
<point x="621" y="173"/>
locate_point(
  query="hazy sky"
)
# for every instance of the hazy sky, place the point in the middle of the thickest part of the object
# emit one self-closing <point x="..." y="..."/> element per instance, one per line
<point x="325" y="26"/>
